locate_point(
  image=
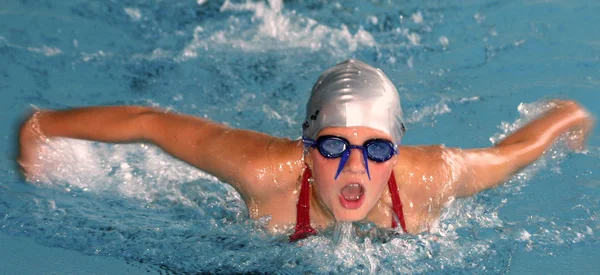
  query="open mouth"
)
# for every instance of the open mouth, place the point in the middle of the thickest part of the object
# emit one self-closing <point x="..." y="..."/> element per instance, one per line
<point x="351" y="196"/>
<point x="352" y="192"/>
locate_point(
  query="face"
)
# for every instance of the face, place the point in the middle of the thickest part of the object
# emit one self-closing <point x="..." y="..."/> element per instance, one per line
<point x="352" y="195"/>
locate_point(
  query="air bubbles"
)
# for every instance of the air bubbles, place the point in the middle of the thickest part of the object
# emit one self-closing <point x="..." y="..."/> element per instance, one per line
<point x="524" y="236"/>
<point x="178" y="97"/>
<point x="444" y="41"/>
<point x="479" y="17"/>
<point x="410" y="62"/>
<point x="134" y="13"/>
<point x="373" y="20"/>
<point x="414" y="38"/>
<point x="417" y="17"/>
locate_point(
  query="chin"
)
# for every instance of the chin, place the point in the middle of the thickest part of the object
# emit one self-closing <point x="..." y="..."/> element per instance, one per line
<point x="345" y="215"/>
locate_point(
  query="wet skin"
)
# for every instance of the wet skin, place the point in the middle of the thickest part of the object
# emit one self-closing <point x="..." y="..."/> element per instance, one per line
<point x="417" y="177"/>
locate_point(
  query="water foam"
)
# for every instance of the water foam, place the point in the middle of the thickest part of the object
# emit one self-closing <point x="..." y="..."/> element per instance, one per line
<point x="45" y="50"/>
<point x="430" y="111"/>
<point x="139" y="171"/>
<point x="276" y="30"/>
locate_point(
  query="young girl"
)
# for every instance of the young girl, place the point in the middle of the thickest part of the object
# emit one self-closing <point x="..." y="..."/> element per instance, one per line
<point x="348" y="166"/>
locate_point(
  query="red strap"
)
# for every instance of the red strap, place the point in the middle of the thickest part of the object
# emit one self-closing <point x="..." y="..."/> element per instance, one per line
<point x="303" y="228"/>
<point x="396" y="203"/>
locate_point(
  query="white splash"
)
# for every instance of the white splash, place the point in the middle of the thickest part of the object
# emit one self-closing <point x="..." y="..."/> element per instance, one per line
<point x="272" y="28"/>
<point x="94" y="56"/>
<point x="45" y="50"/>
<point x="373" y="20"/>
<point x="134" y="14"/>
<point x="139" y="171"/>
<point x="528" y="112"/>
<point x="157" y="53"/>
<point x="479" y="17"/>
<point x="444" y="41"/>
<point x="468" y="99"/>
<point x="273" y="114"/>
<point x="428" y="111"/>
<point x="414" y="38"/>
<point x="417" y="17"/>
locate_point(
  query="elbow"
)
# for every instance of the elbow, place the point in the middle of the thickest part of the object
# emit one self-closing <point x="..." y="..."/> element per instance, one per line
<point x="146" y="122"/>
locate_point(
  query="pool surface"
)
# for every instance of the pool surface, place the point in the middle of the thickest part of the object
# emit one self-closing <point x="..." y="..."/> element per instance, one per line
<point x="462" y="71"/>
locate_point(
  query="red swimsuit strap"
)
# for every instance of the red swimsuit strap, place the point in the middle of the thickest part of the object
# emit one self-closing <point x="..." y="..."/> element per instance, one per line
<point x="396" y="203"/>
<point x="303" y="228"/>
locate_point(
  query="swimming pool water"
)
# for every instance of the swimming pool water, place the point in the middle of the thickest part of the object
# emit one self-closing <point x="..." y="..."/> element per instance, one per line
<point x="462" y="69"/>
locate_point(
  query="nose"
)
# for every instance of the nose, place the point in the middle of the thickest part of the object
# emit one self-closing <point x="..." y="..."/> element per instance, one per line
<point x="352" y="162"/>
<point x="356" y="162"/>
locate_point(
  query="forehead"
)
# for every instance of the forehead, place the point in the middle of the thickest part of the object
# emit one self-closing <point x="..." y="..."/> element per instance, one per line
<point x="358" y="133"/>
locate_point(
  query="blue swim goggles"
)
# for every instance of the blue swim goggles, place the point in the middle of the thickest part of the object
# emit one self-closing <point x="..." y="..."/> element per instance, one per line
<point x="377" y="150"/>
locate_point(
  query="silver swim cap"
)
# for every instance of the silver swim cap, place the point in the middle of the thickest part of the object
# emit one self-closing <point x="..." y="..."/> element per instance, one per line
<point x="354" y="94"/>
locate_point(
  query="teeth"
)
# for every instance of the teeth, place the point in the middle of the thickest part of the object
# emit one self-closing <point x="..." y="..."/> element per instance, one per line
<point x="352" y="192"/>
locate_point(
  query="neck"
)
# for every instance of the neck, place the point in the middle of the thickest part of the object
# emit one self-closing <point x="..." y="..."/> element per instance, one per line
<point x="320" y="215"/>
<point x="382" y="213"/>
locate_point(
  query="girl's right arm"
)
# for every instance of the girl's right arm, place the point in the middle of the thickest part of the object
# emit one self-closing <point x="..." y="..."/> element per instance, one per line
<point x="233" y="155"/>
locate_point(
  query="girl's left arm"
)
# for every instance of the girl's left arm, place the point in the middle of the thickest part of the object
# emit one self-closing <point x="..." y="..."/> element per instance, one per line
<point x="480" y="169"/>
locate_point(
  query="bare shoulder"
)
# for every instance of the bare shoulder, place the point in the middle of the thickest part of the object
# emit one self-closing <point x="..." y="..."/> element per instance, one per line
<point x="273" y="169"/>
<point x="421" y="159"/>
<point x="424" y="173"/>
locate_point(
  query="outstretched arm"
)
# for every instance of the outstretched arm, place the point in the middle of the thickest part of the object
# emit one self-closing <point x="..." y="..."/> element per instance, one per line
<point x="232" y="155"/>
<point x="480" y="169"/>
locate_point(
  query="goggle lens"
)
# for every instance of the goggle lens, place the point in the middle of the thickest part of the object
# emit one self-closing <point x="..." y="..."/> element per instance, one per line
<point x="332" y="147"/>
<point x="378" y="150"/>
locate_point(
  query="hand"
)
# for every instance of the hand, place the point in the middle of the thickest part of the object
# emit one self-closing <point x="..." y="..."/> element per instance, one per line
<point x="577" y="136"/>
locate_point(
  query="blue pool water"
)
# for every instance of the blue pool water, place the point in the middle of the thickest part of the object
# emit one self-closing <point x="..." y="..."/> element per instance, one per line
<point x="462" y="71"/>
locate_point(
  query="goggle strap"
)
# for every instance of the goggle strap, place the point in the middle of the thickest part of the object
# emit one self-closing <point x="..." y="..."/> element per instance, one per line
<point x="308" y="142"/>
<point x="365" y="157"/>
<point x="343" y="161"/>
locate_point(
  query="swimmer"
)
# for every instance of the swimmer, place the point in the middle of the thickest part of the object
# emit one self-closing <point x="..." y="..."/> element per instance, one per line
<point x="349" y="164"/>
